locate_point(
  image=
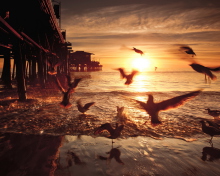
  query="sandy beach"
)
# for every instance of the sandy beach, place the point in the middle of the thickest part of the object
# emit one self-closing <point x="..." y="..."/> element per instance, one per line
<point x="96" y="156"/>
<point x="141" y="156"/>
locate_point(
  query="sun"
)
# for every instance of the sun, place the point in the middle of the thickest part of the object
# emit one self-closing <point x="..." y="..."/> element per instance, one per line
<point x="140" y="63"/>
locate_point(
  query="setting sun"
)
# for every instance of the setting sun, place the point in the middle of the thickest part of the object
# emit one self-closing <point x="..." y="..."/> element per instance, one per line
<point x="140" y="63"/>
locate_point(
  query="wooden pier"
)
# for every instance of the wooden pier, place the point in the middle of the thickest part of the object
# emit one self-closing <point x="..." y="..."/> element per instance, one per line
<point x="80" y="61"/>
<point x="30" y="38"/>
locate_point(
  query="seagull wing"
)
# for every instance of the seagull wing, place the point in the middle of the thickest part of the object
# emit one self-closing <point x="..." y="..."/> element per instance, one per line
<point x="205" y="70"/>
<point x="212" y="130"/>
<point x="120" y="128"/>
<point x="177" y="101"/>
<point x="134" y="72"/>
<point x="88" y="105"/>
<point x="79" y="103"/>
<point x="106" y="126"/>
<point x="188" y="50"/>
<point x="59" y="85"/>
<point x="143" y="105"/>
<point x="74" y="84"/>
<point x="68" y="78"/>
<point x="216" y="69"/>
<point x="57" y="64"/>
<point x="121" y="70"/>
<point x="213" y="124"/>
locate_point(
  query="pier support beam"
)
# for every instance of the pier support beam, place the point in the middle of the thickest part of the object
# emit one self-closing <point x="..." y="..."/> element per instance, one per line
<point x="6" y="73"/>
<point x="21" y="86"/>
<point x="41" y="70"/>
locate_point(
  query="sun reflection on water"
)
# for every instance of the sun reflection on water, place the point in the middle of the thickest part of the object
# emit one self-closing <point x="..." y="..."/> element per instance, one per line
<point x="141" y="83"/>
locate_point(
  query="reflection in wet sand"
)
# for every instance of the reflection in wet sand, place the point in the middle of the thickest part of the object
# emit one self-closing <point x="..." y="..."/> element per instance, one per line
<point x="212" y="152"/>
<point x="44" y="155"/>
<point x="23" y="155"/>
<point x="113" y="153"/>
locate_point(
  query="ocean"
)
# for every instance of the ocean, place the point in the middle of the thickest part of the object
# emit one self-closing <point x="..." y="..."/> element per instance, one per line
<point x="108" y="91"/>
<point x="41" y="134"/>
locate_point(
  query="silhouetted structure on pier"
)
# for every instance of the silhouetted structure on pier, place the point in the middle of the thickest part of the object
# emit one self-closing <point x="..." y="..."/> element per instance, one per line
<point x="29" y="35"/>
<point x="81" y="61"/>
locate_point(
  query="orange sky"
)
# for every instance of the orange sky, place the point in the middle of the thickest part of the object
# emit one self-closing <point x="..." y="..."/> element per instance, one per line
<point x="110" y="29"/>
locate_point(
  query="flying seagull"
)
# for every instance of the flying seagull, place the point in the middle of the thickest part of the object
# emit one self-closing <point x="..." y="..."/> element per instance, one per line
<point x="188" y="50"/>
<point x="114" y="133"/>
<point x="84" y="108"/>
<point x="129" y="78"/>
<point x="67" y="92"/>
<point x="153" y="108"/>
<point x="205" y="70"/>
<point x="138" y="51"/>
<point x="53" y="67"/>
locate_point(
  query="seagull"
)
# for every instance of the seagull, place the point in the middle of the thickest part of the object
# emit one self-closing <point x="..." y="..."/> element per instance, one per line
<point x="138" y="51"/>
<point x="188" y="50"/>
<point x="214" y="113"/>
<point x="113" y="153"/>
<point x="121" y="115"/>
<point x="210" y="130"/>
<point x="84" y="108"/>
<point x="153" y="108"/>
<point x="213" y="124"/>
<point x="214" y="153"/>
<point x="53" y="67"/>
<point x="129" y="78"/>
<point x="205" y="70"/>
<point x="67" y="92"/>
<point x="114" y="133"/>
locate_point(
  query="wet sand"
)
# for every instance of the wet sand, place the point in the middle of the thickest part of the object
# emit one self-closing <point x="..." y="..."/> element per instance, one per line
<point x="27" y="155"/>
<point x="67" y="155"/>
<point x="141" y="156"/>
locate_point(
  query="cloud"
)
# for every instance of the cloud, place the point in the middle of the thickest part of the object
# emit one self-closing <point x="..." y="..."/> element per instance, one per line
<point x="140" y="18"/>
<point x="103" y="27"/>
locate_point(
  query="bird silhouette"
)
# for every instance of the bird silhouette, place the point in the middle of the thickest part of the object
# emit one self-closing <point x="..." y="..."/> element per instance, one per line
<point x="53" y="67"/>
<point x="67" y="92"/>
<point x="213" y="124"/>
<point x="153" y="108"/>
<point x="138" y="51"/>
<point x="214" y="113"/>
<point x="205" y="70"/>
<point x="84" y="108"/>
<point x="129" y="78"/>
<point x="188" y="50"/>
<point x="113" y="153"/>
<point x="114" y="133"/>
<point x="121" y="115"/>
<point x="212" y="152"/>
<point x="210" y="130"/>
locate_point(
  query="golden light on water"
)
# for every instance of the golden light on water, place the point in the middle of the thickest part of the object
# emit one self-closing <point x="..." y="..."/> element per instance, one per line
<point x="141" y="82"/>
